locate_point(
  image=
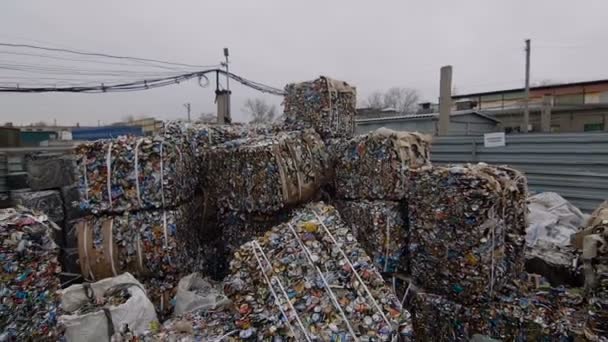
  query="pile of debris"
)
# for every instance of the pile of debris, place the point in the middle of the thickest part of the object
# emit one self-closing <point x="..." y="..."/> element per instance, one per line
<point x="30" y="276"/>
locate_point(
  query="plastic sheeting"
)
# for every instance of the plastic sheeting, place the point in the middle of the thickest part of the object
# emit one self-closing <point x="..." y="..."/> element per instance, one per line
<point x="552" y="219"/>
<point x="197" y="293"/>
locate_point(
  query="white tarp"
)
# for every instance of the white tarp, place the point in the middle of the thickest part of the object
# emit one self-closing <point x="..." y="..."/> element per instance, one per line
<point x="552" y="219"/>
<point x="137" y="312"/>
<point x="196" y="293"/>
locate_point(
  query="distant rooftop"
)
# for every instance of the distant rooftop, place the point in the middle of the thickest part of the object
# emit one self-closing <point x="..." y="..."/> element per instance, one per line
<point x="541" y="87"/>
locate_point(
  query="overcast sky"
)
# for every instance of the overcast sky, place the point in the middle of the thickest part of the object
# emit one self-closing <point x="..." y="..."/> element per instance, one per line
<point x="371" y="44"/>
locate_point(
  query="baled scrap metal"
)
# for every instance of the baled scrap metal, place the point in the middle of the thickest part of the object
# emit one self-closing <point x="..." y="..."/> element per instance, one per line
<point x="131" y="173"/>
<point x="46" y="172"/>
<point x="514" y="213"/>
<point x="265" y="174"/>
<point x="456" y="232"/>
<point x="157" y="246"/>
<point x="327" y="105"/>
<point x="309" y="279"/>
<point x="375" y="165"/>
<point x="546" y="315"/>
<point x="30" y="277"/>
<point x="381" y="229"/>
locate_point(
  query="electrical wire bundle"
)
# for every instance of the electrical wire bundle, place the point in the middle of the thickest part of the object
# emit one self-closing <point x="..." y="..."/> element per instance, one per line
<point x="115" y="81"/>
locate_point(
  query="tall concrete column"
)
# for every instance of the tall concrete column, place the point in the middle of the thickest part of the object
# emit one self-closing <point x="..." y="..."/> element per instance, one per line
<point x="445" y="99"/>
<point x="222" y="98"/>
<point x="545" y="114"/>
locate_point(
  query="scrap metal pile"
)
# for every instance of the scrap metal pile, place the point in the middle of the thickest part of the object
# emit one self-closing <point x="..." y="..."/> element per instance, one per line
<point x="30" y="276"/>
<point x="240" y="204"/>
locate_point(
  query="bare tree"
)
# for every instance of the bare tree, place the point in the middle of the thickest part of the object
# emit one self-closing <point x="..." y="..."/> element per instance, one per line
<point x="208" y="118"/>
<point x="404" y="100"/>
<point x="260" y="111"/>
<point x="128" y="118"/>
<point x="375" y="100"/>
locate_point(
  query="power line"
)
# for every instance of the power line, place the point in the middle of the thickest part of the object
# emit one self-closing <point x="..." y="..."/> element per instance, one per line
<point x="147" y="84"/>
<point x="84" y="53"/>
<point x="89" y="60"/>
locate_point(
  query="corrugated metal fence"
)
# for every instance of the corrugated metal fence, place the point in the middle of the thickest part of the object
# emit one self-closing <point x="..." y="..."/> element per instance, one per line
<point x="575" y="165"/>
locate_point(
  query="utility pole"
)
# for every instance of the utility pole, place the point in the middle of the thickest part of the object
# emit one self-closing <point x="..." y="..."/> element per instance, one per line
<point x="187" y="105"/>
<point x="526" y="122"/>
<point x="445" y="99"/>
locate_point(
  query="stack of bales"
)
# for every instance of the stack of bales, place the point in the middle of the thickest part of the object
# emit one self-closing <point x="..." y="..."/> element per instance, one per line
<point x="256" y="181"/>
<point x="145" y="216"/>
<point x="370" y="181"/>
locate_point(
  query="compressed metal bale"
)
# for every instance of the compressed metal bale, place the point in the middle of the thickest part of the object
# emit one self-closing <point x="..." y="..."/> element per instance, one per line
<point x="374" y="166"/>
<point x="310" y="279"/>
<point x="514" y="206"/>
<point x="457" y="232"/>
<point x="327" y="105"/>
<point x="154" y="243"/>
<point x="266" y="174"/>
<point x="381" y="229"/>
<point x="537" y="316"/>
<point x="50" y="171"/>
<point x="130" y="173"/>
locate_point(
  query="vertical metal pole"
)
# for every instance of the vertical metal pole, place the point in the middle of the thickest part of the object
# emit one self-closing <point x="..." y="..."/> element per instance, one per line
<point x="445" y="99"/>
<point x="228" y="117"/>
<point x="526" y="122"/>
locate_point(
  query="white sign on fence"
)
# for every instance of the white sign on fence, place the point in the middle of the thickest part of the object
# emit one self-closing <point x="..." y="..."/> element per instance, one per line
<point x="494" y="139"/>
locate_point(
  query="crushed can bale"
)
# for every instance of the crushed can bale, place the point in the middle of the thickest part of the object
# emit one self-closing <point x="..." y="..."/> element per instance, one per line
<point x="134" y="173"/>
<point x="50" y="171"/>
<point x="327" y="105"/>
<point x="374" y="166"/>
<point x="309" y="279"/>
<point x="457" y="230"/>
<point x="157" y="246"/>
<point x="30" y="277"/>
<point x="266" y="174"/>
<point x="381" y="229"/>
<point x="552" y="314"/>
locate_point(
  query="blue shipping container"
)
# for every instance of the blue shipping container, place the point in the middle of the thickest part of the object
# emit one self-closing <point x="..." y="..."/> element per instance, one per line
<point x="105" y="132"/>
